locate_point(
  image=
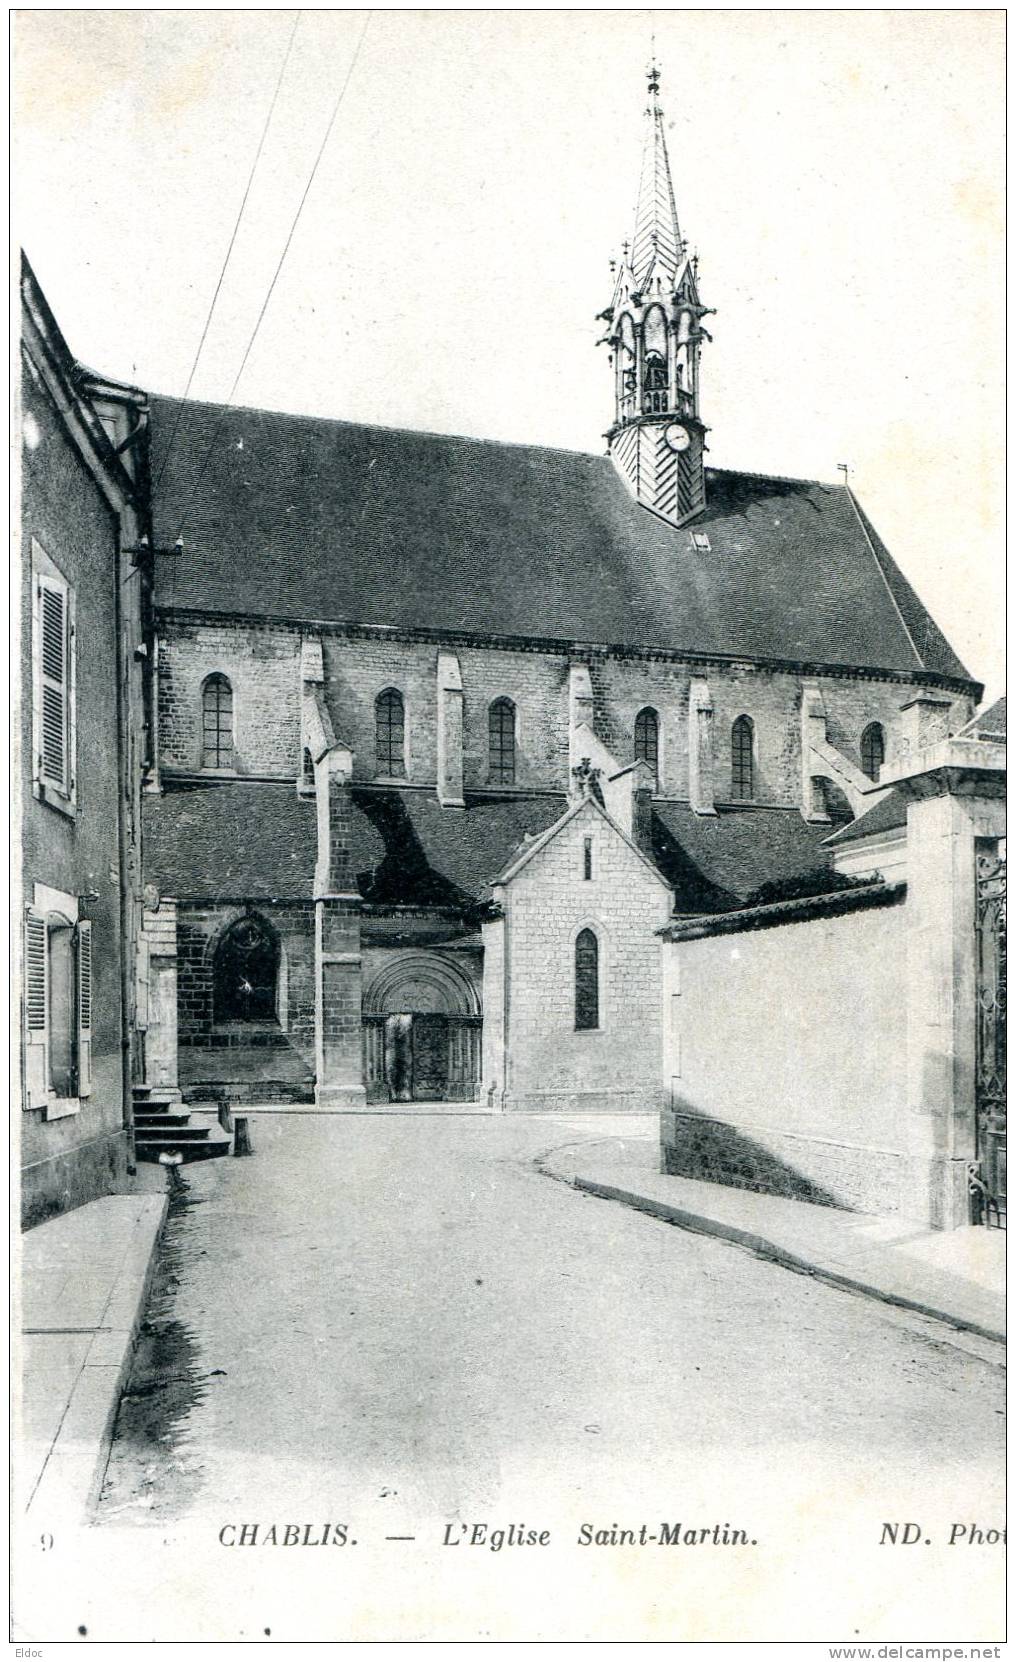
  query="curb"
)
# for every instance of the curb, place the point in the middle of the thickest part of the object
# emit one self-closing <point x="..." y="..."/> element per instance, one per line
<point x="697" y="1224"/>
<point x="75" y="1468"/>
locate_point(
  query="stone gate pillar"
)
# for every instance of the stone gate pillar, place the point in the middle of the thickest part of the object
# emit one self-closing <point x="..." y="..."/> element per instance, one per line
<point x="955" y="796"/>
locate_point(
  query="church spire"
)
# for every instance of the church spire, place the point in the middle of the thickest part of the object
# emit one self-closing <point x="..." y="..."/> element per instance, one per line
<point x="655" y="335"/>
<point x="657" y="244"/>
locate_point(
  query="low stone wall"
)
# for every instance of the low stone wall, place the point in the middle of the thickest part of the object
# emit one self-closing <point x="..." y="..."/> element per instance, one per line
<point x="72" y="1177"/>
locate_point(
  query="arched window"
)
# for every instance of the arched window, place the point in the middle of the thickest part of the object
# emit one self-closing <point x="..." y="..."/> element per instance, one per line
<point x="742" y="760"/>
<point x="655" y="383"/>
<point x="502" y="742"/>
<point x="390" y="734"/>
<point x="873" y="750"/>
<point x="245" y="972"/>
<point x="647" y="738"/>
<point x="587" y="980"/>
<point x="217" y="723"/>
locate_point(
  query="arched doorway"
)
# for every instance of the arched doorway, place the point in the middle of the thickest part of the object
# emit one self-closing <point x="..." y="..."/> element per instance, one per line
<point x="245" y="973"/>
<point x="422" y="1030"/>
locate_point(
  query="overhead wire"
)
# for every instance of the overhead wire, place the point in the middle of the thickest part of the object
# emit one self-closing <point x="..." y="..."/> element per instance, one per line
<point x="222" y="273"/>
<point x="275" y="277"/>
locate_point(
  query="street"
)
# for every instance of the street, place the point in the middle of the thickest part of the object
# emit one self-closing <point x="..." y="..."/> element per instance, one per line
<point x="396" y="1322"/>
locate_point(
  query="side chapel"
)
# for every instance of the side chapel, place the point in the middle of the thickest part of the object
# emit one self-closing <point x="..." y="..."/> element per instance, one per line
<point x="447" y="731"/>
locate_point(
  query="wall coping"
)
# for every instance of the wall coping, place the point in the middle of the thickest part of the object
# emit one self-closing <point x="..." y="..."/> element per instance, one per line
<point x="835" y="904"/>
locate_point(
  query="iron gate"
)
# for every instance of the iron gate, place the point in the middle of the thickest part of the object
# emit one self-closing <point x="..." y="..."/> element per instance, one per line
<point x="987" y="1185"/>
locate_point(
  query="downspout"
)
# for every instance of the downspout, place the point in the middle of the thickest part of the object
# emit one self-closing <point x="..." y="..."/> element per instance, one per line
<point x="123" y="799"/>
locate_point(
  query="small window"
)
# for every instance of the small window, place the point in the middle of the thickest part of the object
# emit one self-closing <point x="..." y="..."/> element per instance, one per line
<point x="53" y="676"/>
<point x="587" y="981"/>
<point x="873" y="750"/>
<point x="700" y="541"/>
<point x="57" y="1010"/>
<point x="217" y="723"/>
<point x="587" y="859"/>
<point x="502" y="742"/>
<point x="647" y="739"/>
<point x="742" y="760"/>
<point x="390" y="734"/>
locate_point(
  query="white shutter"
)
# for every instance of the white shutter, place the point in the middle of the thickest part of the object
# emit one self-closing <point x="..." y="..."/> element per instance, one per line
<point x="36" y="985"/>
<point x="143" y="979"/>
<point x="53" y="685"/>
<point x="84" y="933"/>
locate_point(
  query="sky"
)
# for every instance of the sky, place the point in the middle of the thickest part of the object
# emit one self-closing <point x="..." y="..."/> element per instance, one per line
<point x="840" y="174"/>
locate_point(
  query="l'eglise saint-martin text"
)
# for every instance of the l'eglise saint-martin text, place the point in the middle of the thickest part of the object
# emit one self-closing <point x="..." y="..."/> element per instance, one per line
<point x="495" y="1538"/>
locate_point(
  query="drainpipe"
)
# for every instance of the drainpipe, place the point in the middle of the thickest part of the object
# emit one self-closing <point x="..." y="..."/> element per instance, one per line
<point x="123" y="787"/>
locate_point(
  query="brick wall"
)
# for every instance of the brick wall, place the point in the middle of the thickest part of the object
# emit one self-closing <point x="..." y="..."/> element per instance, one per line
<point x="198" y="930"/>
<point x="262" y="663"/>
<point x="551" y="1066"/>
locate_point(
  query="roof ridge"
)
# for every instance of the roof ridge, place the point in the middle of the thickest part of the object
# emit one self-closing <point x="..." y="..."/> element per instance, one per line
<point x="376" y="427"/>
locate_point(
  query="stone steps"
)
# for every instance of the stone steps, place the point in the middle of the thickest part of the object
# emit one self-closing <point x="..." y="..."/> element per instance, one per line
<point x="159" y="1132"/>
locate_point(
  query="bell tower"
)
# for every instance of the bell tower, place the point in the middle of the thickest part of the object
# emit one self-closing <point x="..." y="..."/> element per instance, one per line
<point x="655" y="333"/>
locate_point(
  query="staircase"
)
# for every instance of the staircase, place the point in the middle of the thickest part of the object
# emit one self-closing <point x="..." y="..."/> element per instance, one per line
<point x="159" y="1129"/>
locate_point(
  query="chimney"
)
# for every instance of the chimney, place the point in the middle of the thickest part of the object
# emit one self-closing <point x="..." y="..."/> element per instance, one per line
<point x="701" y="790"/>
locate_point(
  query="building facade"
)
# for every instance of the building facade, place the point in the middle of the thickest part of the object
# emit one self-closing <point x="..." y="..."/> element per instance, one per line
<point x="446" y="730"/>
<point x="80" y="744"/>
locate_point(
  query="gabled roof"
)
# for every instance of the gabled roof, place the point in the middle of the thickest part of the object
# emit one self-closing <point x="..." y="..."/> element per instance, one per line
<point x="535" y="845"/>
<point x="290" y="516"/>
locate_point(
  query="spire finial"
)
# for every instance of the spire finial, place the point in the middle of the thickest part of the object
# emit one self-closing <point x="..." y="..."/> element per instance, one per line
<point x="653" y="77"/>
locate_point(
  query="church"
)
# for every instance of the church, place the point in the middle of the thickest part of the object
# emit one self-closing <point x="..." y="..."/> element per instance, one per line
<point x="446" y="733"/>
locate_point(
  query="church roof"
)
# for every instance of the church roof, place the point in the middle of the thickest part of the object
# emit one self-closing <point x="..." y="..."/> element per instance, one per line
<point x="257" y="840"/>
<point x="889" y="813"/>
<point x="987" y="724"/>
<point x="303" y="518"/>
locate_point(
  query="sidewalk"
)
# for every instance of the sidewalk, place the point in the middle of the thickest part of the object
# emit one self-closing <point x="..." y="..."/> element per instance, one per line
<point x="956" y="1276"/>
<point x="84" y="1279"/>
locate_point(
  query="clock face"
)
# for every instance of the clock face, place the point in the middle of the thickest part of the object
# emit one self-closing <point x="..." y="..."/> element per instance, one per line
<point x="677" y="437"/>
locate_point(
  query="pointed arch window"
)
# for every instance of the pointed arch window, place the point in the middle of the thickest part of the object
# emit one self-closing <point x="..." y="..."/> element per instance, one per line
<point x="742" y="760"/>
<point x="390" y="734"/>
<point x="501" y="724"/>
<point x="587" y="981"/>
<point x="217" y="723"/>
<point x="655" y="384"/>
<point x="647" y="738"/>
<point x="873" y="750"/>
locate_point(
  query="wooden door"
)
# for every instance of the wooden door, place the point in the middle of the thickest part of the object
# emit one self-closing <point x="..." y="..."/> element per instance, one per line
<point x="430" y="1058"/>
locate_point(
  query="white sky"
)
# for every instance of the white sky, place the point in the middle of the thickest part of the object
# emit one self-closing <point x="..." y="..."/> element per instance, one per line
<point x="839" y="172"/>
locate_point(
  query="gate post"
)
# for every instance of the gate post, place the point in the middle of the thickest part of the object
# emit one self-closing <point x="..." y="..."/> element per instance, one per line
<point x="955" y="796"/>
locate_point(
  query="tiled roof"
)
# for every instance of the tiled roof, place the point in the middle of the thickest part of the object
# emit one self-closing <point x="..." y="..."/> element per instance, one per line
<point x="888" y="814"/>
<point x="249" y="839"/>
<point x="988" y="724"/>
<point x="714" y="863"/>
<point x="290" y="516"/>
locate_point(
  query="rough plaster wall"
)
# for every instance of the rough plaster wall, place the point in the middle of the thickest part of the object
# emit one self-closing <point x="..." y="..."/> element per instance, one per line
<point x="790" y="1036"/>
<point x="549" y="903"/>
<point x="63" y="509"/>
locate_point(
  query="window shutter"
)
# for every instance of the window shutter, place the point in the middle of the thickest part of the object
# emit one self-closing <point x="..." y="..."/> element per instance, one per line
<point x="36" y="1011"/>
<point x="84" y="1009"/>
<point x="143" y="979"/>
<point x="54" y="685"/>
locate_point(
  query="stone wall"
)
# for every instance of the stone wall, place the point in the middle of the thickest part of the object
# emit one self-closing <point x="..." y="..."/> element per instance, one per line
<point x="550" y="1065"/>
<point x="198" y="930"/>
<point x="785" y="1059"/>
<point x="262" y="662"/>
